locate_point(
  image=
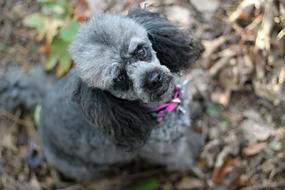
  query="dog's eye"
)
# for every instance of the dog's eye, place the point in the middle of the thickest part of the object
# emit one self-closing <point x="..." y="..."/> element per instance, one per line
<point x="140" y="52"/>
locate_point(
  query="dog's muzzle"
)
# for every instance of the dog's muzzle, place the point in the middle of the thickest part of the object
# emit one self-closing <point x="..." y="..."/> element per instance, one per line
<point x="157" y="82"/>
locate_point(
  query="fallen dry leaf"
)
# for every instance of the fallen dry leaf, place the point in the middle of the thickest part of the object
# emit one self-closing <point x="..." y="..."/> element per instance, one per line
<point x="199" y="80"/>
<point x="267" y="166"/>
<point x="222" y="97"/>
<point x="243" y="180"/>
<point x="269" y="85"/>
<point x="255" y="130"/>
<point x="9" y="142"/>
<point x="220" y="172"/>
<point x="206" y="7"/>
<point x="212" y="45"/>
<point x="230" y="148"/>
<point x="190" y="183"/>
<point x="51" y="26"/>
<point x="44" y="48"/>
<point x="263" y="35"/>
<point x="81" y="10"/>
<point x="35" y="184"/>
<point x="210" y="151"/>
<point x="243" y="11"/>
<point x="179" y="15"/>
<point x="253" y="149"/>
<point x="225" y="55"/>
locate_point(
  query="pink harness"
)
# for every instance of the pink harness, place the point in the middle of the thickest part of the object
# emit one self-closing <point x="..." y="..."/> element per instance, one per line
<point x="167" y="106"/>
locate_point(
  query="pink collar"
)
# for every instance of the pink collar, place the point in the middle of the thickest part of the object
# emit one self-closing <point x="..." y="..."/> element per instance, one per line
<point x="167" y="106"/>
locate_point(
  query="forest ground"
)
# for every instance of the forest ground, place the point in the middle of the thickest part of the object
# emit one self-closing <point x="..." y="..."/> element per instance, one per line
<point x="238" y="88"/>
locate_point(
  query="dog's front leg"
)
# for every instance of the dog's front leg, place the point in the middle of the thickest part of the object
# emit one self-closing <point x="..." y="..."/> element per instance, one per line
<point x="177" y="154"/>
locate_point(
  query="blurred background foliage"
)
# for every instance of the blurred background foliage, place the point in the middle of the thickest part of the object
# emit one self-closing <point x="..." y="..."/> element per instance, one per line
<point x="56" y="27"/>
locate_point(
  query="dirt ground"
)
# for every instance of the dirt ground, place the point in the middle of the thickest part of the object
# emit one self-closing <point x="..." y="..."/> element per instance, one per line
<point x="238" y="88"/>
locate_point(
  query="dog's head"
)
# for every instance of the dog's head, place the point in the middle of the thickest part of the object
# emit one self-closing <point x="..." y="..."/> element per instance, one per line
<point x="132" y="57"/>
<point x="122" y="62"/>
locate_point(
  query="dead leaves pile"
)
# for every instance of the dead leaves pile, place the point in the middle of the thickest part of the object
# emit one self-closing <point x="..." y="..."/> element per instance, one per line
<point x="251" y="52"/>
<point x="245" y="142"/>
<point x="242" y="153"/>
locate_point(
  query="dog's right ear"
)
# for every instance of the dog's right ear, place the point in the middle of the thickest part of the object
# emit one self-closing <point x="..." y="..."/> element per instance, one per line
<point x="174" y="49"/>
<point x="127" y="123"/>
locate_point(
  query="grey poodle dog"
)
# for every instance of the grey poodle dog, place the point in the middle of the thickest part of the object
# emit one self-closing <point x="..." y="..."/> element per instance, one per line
<point x="124" y="99"/>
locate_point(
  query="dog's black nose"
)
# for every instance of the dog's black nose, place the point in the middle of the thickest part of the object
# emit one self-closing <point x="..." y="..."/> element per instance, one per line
<point x="154" y="80"/>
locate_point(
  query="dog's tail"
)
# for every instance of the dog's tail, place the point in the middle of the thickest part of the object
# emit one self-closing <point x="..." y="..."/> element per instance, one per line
<point x="23" y="89"/>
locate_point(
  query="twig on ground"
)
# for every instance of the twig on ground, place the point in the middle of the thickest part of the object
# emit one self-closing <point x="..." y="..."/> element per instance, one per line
<point x="13" y="118"/>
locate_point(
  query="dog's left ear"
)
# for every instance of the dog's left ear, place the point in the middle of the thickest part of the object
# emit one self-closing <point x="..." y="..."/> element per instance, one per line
<point x="174" y="49"/>
<point x="127" y="123"/>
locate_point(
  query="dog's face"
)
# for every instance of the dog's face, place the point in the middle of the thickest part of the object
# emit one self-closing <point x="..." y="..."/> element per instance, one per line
<point x="114" y="53"/>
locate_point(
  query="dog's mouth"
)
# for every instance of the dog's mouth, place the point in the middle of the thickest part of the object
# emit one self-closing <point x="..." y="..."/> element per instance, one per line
<point x="163" y="93"/>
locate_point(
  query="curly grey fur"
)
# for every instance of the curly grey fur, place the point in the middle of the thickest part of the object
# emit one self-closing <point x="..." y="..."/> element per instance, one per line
<point x="99" y="114"/>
